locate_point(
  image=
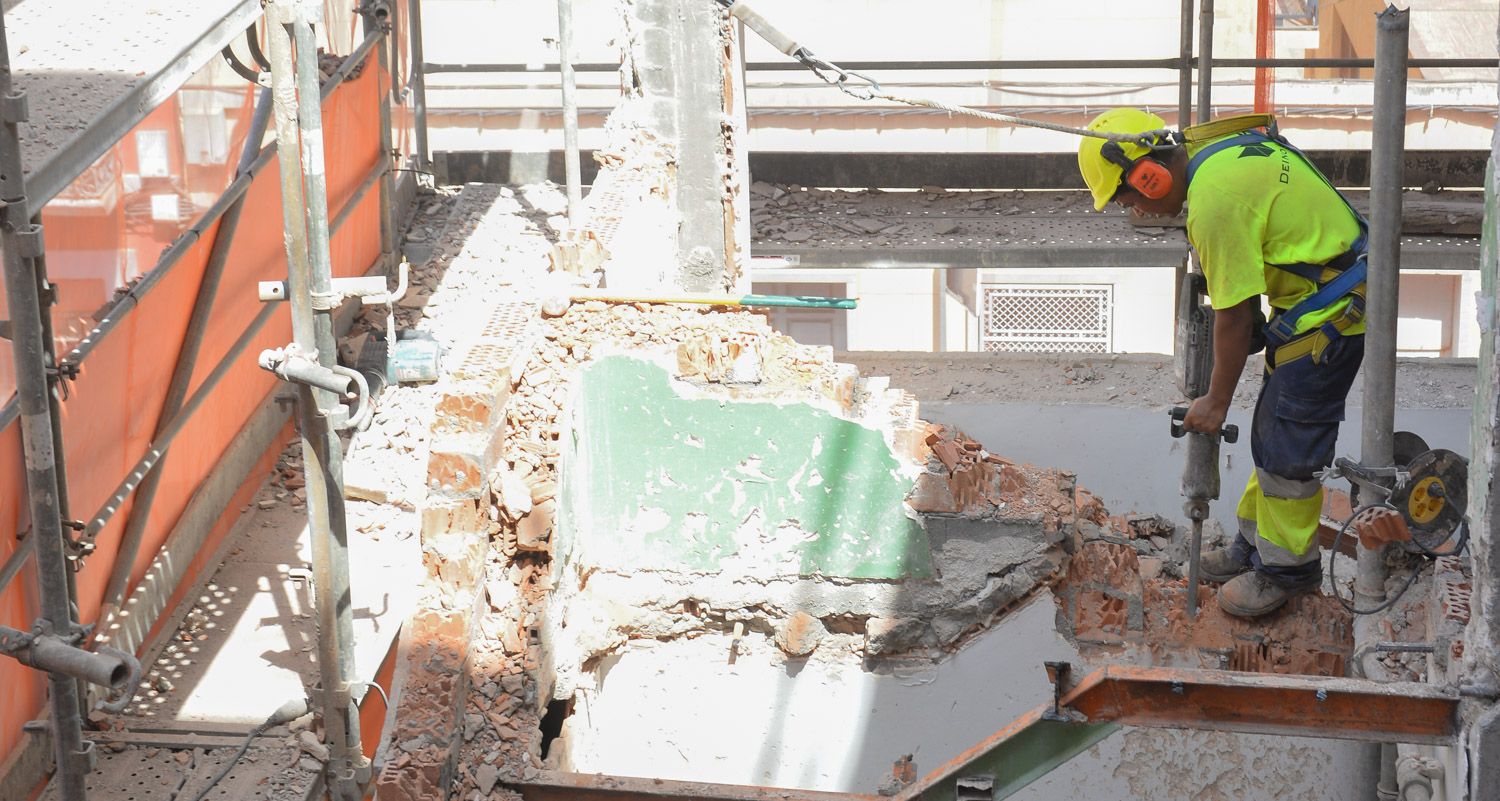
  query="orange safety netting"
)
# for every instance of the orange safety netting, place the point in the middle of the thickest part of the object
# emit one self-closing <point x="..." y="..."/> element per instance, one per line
<point x="126" y="204"/>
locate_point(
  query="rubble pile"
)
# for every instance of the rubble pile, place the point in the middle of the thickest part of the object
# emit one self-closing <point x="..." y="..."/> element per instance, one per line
<point x="797" y="215"/>
<point x="502" y="718"/>
<point x="1121" y="599"/>
<point x="449" y="287"/>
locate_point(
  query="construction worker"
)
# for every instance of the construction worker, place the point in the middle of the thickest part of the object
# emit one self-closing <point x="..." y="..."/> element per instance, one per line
<point x="1263" y="221"/>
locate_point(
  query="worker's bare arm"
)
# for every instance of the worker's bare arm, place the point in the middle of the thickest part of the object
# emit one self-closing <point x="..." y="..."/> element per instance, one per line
<point x="1231" y="349"/>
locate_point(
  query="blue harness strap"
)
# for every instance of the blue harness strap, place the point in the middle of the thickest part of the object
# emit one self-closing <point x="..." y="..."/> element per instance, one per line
<point x="1284" y="327"/>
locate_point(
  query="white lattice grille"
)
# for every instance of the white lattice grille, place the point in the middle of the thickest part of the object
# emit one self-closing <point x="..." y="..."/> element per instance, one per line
<point x="1044" y="318"/>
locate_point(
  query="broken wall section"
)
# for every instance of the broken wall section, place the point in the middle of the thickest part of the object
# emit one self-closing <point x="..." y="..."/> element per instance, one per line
<point x="667" y="406"/>
<point x="743" y="482"/>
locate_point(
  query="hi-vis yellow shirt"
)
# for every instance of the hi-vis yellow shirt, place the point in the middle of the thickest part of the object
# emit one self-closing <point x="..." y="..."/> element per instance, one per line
<point x="1251" y="206"/>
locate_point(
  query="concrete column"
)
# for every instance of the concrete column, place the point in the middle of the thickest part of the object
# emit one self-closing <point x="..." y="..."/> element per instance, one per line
<point x="1482" y="646"/>
<point x="686" y="70"/>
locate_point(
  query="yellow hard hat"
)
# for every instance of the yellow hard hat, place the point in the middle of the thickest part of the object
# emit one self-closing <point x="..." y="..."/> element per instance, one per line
<point x="1101" y="174"/>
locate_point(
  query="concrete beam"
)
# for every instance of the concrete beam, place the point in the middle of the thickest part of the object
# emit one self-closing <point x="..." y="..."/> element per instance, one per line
<point x="1426" y="253"/>
<point x="1346" y="168"/>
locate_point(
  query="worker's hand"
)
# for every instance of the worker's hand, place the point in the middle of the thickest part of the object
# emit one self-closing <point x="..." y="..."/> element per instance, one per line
<point x="1206" y="415"/>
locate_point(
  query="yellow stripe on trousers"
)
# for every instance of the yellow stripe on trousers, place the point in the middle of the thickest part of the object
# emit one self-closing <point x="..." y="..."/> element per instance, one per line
<point x="1286" y="528"/>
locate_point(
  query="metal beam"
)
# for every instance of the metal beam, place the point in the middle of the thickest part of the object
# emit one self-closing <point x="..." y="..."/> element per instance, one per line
<point x="1427" y="254"/>
<point x="1265" y="703"/>
<point x="559" y="786"/>
<point x="1099" y="705"/>
<point x="1254" y="703"/>
<point x="987" y="64"/>
<point x="876" y="257"/>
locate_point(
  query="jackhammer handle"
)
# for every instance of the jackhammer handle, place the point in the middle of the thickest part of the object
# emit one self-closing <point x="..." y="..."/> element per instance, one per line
<point x="1230" y="433"/>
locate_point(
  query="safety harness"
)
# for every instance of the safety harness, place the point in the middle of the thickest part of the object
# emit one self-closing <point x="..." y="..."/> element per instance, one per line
<point x="1342" y="276"/>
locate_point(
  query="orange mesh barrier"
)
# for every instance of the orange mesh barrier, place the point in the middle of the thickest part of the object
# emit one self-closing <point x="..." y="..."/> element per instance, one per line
<point x="131" y="202"/>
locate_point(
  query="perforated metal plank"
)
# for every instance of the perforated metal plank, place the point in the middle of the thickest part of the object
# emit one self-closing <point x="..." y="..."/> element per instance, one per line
<point x="1005" y="230"/>
<point x="149" y="774"/>
<point x="252" y="627"/>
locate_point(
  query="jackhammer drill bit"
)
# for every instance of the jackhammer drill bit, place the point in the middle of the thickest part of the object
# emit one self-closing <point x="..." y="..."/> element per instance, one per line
<point x="1200" y="484"/>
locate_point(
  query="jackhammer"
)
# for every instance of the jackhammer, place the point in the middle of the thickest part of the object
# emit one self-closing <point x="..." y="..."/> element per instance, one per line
<point x="1194" y="367"/>
<point x="1200" y="484"/>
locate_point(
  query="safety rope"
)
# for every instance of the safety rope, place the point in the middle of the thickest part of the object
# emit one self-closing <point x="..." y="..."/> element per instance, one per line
<point x="1145" y="138"/>
<point x="863" y="87"/>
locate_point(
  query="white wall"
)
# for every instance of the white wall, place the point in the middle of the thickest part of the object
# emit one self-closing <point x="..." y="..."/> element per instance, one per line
<point x="895" y="306"/>
<point x="1437" y="314"/>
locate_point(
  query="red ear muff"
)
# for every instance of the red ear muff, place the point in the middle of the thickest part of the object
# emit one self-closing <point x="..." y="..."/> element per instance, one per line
<point x="1145" y="175"/>
<point x="1149" y="177"/>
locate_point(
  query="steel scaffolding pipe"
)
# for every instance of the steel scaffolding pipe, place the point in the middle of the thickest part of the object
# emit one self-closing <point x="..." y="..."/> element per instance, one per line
<point x="1205" y="59"/>
<point x="377" y="22"/>
<point x="22" y="243"/>
<point x="419" y="85"/>
<point x="1383" y="283"/>
<point x="55" y="655"/>
<point x="294" y="85"/>
<point x="1185" y="65"/>
<point x="570" y="112"/>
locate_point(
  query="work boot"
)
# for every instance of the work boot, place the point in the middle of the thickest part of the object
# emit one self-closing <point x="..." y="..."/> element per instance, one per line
<point x="1254" y="594"/>
<point x="1220" y="565"/>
